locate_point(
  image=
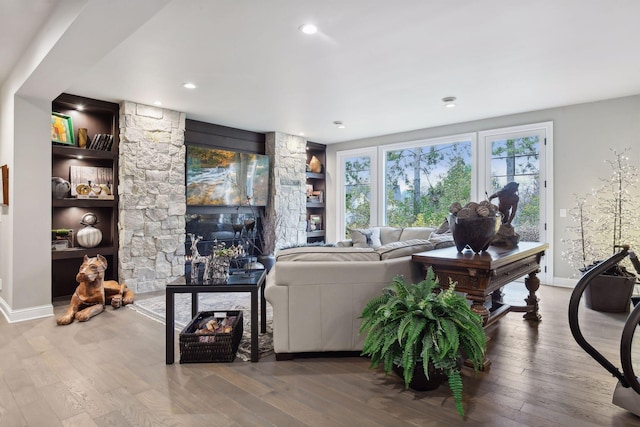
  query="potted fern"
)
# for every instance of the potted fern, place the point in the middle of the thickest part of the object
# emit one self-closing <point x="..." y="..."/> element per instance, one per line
<point x="412" y="327"/>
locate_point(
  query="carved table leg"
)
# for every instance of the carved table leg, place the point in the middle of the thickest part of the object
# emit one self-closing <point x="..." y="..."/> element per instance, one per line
<point x="532" y="283"/>
<point x="478" y="307"/>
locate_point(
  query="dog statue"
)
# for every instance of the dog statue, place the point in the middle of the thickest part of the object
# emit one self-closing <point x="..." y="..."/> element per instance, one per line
<point x="93" y="292"/>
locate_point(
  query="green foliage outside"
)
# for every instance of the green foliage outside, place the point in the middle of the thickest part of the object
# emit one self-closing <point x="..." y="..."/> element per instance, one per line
<point x="422" y="182"/>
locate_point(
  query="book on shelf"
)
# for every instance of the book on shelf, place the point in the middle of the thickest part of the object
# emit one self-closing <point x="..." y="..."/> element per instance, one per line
<point x="102" y="142"/>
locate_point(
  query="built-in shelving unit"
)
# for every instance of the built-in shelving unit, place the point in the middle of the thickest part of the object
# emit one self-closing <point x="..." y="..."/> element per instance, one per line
<point x="316" y="194"/>
<point x="98" y="117"/>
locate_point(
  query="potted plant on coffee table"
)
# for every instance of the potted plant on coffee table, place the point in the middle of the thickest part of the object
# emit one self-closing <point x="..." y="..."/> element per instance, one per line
<point x="412" y="328"/>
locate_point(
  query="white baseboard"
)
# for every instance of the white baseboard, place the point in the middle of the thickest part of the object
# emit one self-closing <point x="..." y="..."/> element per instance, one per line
<point x="24" y="314"/>
<point x="564" y="282"/>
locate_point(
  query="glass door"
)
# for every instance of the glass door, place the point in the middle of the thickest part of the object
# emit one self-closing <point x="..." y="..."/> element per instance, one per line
<point x="517" y="159"/>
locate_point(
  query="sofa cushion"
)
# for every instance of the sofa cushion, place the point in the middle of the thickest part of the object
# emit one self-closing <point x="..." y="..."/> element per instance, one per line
<point x="389" y="234"/>
<point x="421" y="233"/>
<point x="327" y="254"/>
<point x="365" y="238"/>
<point x="441" y="240"/>
<point x="403" y="248"/>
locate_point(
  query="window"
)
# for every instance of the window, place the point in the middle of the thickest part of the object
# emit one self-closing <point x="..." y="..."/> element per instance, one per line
<point x="357" y="194"/>
<point x="423" y="178"/>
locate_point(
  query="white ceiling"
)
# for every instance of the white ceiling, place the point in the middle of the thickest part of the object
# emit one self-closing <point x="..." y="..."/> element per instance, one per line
<point x="379" y="66"/>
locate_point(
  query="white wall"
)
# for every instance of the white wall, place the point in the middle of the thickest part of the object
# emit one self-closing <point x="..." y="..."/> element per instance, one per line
<point x="58" y="55"/>
<point x="583" y="137"/>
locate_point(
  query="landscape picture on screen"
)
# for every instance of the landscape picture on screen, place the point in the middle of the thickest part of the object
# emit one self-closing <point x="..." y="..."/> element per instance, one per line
<point x="226" y="178"/>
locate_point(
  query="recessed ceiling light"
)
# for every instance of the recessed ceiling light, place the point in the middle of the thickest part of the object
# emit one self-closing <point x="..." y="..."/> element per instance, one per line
<point x="80" y="107"/>
<point x="449" y="101"/>
<point x="158" y="103"/>
<point x="308" y="29"/>
<point x="339" y="124"/>
<point x="189" y="86"/>
<point x="301" y="134"/>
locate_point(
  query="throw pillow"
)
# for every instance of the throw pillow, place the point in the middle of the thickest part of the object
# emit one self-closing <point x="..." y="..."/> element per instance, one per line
<point x="444" y="228"/>
<point x="403" y="248"/>
<point x="365" y="238"/>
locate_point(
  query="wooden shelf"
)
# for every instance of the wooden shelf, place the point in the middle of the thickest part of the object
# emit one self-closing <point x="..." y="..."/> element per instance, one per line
<point x="317" y="181"/>
<point x="83" y="203"/>
<point x="73" y="253"/>
<point x="314" y="175"/>
<point x="98" y="117"/>
<point x="75" y="152"/>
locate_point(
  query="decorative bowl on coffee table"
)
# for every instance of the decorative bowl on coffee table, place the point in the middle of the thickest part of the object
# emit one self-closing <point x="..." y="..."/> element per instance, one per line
<point x="475" y="233"/>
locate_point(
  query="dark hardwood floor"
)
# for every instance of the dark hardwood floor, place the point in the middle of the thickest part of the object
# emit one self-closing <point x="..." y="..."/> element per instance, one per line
<point x="111" y="371"/>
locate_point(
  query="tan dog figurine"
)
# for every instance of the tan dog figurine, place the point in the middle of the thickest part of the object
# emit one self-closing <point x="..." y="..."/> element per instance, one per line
<point x="93" y="292"/>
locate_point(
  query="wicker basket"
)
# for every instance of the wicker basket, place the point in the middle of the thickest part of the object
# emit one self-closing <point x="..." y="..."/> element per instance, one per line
<point x="220" y="347"/>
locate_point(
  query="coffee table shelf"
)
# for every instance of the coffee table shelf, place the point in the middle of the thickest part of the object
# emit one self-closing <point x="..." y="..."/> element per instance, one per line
<point x="252" y="282"/>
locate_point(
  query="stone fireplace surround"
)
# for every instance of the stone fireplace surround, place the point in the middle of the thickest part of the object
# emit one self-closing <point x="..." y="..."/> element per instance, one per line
<point x="152" y="201"/>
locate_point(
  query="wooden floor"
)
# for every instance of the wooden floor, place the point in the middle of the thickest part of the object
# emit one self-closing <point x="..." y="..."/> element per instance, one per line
<point x="111" y="371"/>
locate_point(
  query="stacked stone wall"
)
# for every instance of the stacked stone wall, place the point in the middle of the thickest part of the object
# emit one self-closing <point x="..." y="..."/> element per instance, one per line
<point x="287" y="184"/>
<point x="152" y="203"/>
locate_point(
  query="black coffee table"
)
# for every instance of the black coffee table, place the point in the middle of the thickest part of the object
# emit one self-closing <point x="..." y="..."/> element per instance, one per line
<point x="240" y="281"/>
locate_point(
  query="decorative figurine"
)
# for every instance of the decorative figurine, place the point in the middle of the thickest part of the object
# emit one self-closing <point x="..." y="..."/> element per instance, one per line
<point x="508" y="205"/>
<point x="508" y="201"/>
<point x="93" y="292"/>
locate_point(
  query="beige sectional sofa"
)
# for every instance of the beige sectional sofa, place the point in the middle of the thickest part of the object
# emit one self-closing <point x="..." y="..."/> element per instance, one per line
<point x="318" y="293"/>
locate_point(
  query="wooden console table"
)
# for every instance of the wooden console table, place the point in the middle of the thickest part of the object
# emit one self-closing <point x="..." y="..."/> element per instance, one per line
<point x="481" y="276"/>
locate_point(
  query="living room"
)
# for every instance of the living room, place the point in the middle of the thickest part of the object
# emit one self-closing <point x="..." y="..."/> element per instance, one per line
<point x="602" y="116"/>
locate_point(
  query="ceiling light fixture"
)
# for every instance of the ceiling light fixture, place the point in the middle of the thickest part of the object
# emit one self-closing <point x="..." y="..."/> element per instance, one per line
<point x="80" y="107"/>
<point x="339" y="124"/>
<point x="158" y="103"/>
<point x="308" y="28"/>
<point x="189" y="86"/>
<point x="449" y="101"/>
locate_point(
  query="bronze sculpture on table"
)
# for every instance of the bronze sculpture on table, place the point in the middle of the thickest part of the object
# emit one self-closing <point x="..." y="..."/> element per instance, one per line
<point x="507" y="205"/>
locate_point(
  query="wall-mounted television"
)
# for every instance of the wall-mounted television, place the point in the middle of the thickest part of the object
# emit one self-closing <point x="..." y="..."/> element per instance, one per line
<point x="218" y="177"/>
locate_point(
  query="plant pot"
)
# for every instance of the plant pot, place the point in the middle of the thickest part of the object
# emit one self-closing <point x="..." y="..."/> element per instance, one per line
<point x="610" y="293"/>
<point x="420" y="382"/>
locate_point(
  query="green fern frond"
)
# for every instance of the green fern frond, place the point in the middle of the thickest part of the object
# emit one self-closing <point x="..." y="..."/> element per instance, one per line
<point x="449" y="338"/>
<point x="455" y="384"/>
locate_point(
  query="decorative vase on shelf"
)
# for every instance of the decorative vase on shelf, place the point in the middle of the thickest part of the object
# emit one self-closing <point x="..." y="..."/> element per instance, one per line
<point x="315" y="165"/>
<point x="89" y="236"/>
<point x="60" y="187"/>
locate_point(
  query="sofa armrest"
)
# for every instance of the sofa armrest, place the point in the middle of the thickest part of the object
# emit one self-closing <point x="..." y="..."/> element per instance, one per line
<point x="345" y="243"/>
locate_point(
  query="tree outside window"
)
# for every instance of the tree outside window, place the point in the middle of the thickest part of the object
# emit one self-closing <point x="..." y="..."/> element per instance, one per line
<point x="422" y="182"/>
